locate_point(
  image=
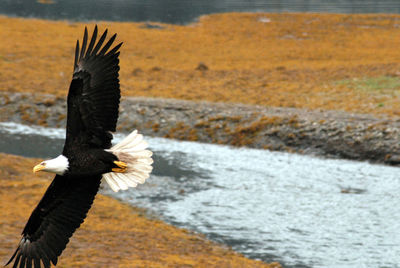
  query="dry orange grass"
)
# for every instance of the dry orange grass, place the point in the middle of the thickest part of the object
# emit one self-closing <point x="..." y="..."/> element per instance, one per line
<point x="292" y="60"/>
<point x="113" y="235"/>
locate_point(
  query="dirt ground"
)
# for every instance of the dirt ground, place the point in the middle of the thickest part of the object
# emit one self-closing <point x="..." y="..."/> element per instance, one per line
<point x="113" y="235"/>
<point x="314" y="61"/>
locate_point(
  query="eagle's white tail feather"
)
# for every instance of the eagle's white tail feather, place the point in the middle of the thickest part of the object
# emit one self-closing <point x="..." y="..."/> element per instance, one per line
<point x="121" y="184"/>
<point x="138" y="147"/>
<point x="132" y="151"/>
<point x="128" y="182"/>
<point x="113" y="184"/>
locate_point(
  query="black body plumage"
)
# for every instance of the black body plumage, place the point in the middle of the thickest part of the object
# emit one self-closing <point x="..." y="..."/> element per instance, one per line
<point x="93" y="101"/>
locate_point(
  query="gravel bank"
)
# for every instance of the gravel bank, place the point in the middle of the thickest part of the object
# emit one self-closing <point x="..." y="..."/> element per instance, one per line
<point x="324" y="133"/>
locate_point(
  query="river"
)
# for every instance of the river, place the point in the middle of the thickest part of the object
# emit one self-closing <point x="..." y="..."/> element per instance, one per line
<point x="299" y="210"/>
<point x="180" y="11"/>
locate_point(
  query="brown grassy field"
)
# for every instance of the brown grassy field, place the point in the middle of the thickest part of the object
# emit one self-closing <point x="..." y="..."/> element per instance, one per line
<point x="337" y="62"/>
<point x="313" y="61"/>
<point x="113" y="235"/>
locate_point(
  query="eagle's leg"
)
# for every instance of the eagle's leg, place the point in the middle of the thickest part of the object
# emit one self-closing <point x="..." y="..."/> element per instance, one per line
<point x="121" y="167"/>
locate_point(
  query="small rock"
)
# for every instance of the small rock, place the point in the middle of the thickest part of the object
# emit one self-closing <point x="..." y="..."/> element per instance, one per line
<point x="264" y="20"/>
<point x="202" y="67"/>
<point x="137" y="71"/>
<point x="156" y="69"/>
<point x="152" y="26"/>
<point x="392" y="159"/>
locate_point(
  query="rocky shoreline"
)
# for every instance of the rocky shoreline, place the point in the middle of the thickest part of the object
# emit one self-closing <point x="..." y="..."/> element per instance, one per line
<point x="324" y="133"/>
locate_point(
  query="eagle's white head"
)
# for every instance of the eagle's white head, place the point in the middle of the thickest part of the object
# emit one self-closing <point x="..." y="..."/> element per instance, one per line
<point x="58" y="165"/>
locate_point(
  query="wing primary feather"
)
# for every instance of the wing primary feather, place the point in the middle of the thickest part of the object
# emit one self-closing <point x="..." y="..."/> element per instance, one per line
<point x="46" y="263"/>
<point x="36" y="263"/>
<point x="23" y="260"/>
<point x="35" y="257"/>
<point x="48" y="251"/>
<point x="107" y="46"/>
<point x="22" y="263"/>
<point x="17" y="260"/>
<point x="112" y="51"/>
<point x="12" y="257"/>
<point x="29" y="256"/>
<point x="54" y="260"/>
<point x="85" y="37"/>
<point x="76" y="54"/>
<point x="43" y="257"/>
<point x="29" y="262"/>
<point x="92" y="42"/>
<point x="51" y="256"/>
<point x="100" y="43"/>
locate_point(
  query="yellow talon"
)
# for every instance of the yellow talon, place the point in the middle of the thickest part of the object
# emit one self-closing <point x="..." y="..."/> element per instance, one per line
<point x="121" y="167"/>
<point x="119" y="170"/>
<point x="121" y="164"/>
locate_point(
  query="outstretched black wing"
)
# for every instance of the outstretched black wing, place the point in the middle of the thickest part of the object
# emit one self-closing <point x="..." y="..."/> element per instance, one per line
<point x="60" y="212"/>
<point x="93" y="101"/>
<point x="94" y="93"/>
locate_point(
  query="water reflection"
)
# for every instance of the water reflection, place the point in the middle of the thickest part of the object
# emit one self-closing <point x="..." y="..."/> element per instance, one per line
<point x="180" y="11"/>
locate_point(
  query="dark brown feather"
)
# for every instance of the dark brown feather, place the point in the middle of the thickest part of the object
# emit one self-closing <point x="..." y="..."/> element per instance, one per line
<point x="100" y="43"/>
<point x="48" y="230"/>
<point x="85" y="37"/>
<point x="94" y="94"/>
<point x="92" y="41"/>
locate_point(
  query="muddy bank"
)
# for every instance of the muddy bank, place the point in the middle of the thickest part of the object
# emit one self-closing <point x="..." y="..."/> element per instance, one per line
<point x="324" y="133"/>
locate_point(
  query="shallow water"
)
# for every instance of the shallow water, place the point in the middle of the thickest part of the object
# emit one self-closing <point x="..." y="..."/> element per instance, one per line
<point x="180" y="11"/>
<point x="299" y="210"/>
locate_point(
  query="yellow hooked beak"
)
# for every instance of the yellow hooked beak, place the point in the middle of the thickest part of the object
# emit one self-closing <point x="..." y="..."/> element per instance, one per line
<point x="38" y="168"/>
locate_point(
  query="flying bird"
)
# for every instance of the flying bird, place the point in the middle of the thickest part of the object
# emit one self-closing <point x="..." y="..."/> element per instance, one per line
<point x="87" y="156"/>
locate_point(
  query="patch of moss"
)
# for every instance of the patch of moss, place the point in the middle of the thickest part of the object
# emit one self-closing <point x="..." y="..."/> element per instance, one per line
<point x="374" y="85"/>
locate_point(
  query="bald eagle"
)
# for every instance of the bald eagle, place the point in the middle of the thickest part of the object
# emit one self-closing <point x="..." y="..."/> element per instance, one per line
<point x="87" y="156"/>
